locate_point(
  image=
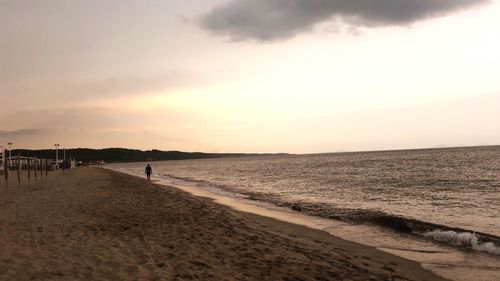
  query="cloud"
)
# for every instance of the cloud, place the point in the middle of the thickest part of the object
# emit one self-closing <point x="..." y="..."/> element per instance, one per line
<point x="22" y="132"/>
<point x="60" y="119"/>
<point x="131" y="85"/>
<point x="28" y="135"/>
<point x="268" y="20"/>
<point x="98" y="127"/>
<point x="64" y="92"/>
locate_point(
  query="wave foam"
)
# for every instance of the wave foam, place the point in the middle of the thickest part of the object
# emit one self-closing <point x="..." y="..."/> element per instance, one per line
<point x="463" y="239"/>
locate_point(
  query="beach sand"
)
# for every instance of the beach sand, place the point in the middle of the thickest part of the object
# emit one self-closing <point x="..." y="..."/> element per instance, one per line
<point x="95" y="224"/>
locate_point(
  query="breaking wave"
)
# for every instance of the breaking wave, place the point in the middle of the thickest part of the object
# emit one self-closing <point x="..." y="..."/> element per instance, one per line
<point x="463" y="239"/>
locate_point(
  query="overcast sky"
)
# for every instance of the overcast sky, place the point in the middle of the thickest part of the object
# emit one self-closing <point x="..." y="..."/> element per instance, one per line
<point x="250" y="75"/>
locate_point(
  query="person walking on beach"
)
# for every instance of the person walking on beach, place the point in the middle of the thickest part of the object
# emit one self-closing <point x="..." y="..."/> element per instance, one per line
<point x="149" y="171"/>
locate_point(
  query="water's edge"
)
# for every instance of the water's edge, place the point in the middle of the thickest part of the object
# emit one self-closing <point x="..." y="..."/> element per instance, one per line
<point x="454" y="236"/>
<point x="413" y="245"/>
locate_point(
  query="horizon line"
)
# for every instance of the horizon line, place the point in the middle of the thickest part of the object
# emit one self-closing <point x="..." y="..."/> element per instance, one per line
<point x="272" y="153"/>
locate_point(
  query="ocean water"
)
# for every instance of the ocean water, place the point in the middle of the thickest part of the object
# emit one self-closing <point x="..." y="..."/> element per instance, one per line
<point x="445" y="195"/>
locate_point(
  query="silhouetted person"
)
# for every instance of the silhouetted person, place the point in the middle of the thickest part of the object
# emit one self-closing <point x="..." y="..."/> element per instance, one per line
<point x="149" y="171"/>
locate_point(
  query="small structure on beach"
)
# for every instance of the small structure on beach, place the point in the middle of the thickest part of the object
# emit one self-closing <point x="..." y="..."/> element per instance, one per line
<point x="22" y="161"/>
<point x="67" y="164"/>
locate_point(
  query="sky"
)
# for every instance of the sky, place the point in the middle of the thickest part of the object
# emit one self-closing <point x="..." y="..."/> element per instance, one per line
<point x="250" y="75"/>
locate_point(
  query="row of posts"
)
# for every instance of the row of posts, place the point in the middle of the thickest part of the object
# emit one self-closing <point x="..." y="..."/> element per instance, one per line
<point x="32" y="165"/>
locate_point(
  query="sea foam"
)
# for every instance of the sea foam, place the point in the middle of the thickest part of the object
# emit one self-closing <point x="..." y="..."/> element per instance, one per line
<point x="463" y="239"/>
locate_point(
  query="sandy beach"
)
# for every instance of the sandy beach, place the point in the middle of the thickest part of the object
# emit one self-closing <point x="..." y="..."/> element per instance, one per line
<point x="95" y="224"/>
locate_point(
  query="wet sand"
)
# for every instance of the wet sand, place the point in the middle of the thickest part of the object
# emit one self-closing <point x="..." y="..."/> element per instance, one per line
<point x="95" y="224"/>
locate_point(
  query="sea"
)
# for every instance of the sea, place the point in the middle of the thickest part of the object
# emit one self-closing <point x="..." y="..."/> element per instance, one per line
<point x="437" y="206"/>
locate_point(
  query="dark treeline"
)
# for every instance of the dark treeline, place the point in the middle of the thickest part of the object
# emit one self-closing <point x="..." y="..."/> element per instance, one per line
<point x="121" y="154"/>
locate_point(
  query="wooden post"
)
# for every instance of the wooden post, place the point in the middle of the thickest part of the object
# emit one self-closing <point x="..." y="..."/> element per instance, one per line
<point x="19" y="167"/>
<point x="41" y="167"/>
<point x="34" y="166"/>
<point x="28" y="166"/>
<point x="6" y="172"/>
<point x="6" y="167"/>
<point x="46" y="167"/>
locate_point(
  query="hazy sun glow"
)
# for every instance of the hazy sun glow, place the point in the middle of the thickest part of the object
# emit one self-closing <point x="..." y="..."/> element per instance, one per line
<point x="164" y="82"/>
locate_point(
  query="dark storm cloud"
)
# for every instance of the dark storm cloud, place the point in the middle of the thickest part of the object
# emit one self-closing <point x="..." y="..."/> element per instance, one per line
<point x="267" y="20"/>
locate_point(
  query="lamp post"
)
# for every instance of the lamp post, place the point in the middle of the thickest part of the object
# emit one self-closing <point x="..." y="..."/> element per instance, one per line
<point x="57" y="156"/>
<point x="10" y="152"/>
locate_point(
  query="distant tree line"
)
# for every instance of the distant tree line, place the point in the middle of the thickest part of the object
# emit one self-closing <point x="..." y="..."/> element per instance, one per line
<point x="122" y="154"/>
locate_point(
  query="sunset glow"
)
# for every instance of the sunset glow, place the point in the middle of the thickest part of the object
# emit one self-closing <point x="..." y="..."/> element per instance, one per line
<point x="150" y="74"/>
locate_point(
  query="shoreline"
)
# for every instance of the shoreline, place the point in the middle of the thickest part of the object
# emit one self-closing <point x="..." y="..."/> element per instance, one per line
<point x="94" y="223"/>
<point x="445" y="260"/>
